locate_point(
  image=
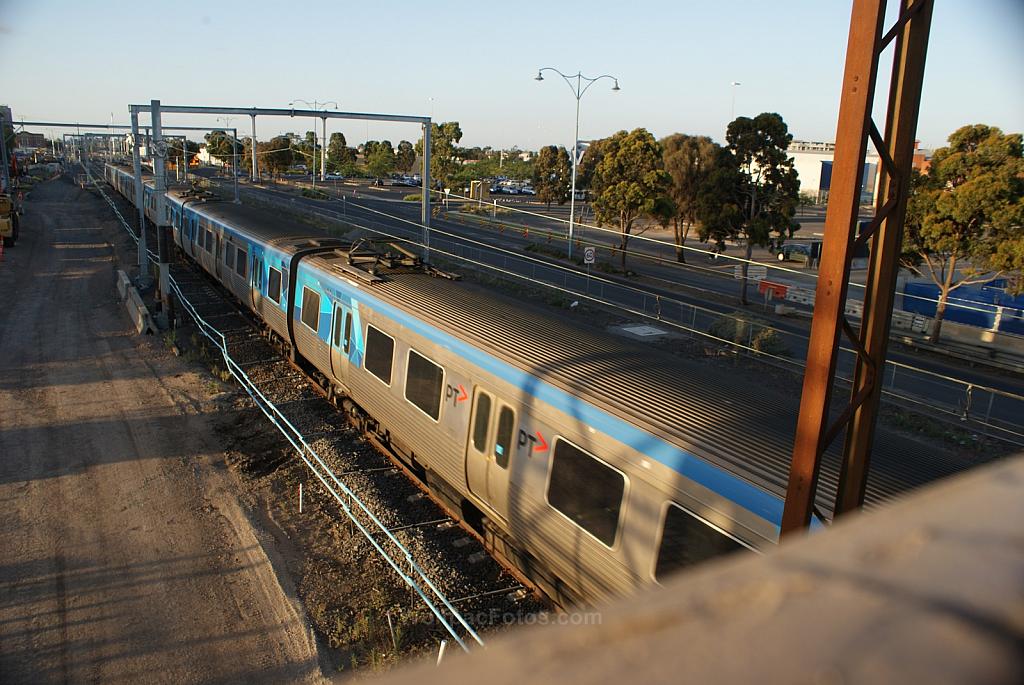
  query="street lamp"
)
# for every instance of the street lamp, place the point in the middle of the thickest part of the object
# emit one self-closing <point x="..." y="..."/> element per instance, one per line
<point x="732" y="110"/>
<point x="317" y="106"/>
<point x="578" y="87"/>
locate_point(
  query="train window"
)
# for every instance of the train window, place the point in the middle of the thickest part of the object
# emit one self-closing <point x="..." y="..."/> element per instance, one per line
<point x="424" y="381"/>
<point x="241" y="262"/>
<point x="586" y="490"/>
<point x="311" y="308"/>
<point x="503" y="440"/>
<point x="687" y="540"/>
<point x="481" y="421"/>
<point x="348" y="332"/>
<point x="338" y="315"/>
<point x="229" y="255"/>
<point x="380" y="352"/>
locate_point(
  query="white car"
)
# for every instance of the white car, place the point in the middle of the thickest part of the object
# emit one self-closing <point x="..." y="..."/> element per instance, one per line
<point x="333" y="177"/>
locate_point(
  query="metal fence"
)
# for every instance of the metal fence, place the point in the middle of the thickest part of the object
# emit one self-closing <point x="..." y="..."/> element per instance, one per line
<point x="383" y="540"/>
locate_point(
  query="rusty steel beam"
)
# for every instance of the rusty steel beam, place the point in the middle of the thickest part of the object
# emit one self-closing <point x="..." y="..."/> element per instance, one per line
<point x="891" y="205"/>
<point x="814" y="431"/>
<point x="834" y="270"/>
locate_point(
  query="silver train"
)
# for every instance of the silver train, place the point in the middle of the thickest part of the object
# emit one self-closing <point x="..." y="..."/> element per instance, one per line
<point x="592" y="462"/>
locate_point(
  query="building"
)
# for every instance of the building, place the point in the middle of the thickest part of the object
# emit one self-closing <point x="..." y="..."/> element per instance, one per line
<point x="813" y="163"/>
<point x="922" y="158"/>
<point x="206" y="158"/>
<point x="30" y="141"/>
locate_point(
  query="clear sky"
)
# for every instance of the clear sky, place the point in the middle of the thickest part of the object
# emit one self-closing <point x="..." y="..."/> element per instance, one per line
<point x="474" y="62"/>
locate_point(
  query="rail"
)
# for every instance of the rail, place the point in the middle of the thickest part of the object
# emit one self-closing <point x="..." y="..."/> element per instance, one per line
<point x="414" y="577"/>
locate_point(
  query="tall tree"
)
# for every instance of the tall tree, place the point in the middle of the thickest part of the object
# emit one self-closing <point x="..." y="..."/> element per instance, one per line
<point x="752" y="194"/>
<point x="219" y="145"/>
<point x="444" y="162"/>
<point x="381" y="160"/>
<point x="277" y="154"/>
<point x="338" y="152"/>
<point x="174" y="150"/>
<point x="551" y="175"/>
<point x="309" y="152"/>
<point x="405" y="156"/>
<point x="689" y="160"/>
<point x="965" y="218"/>
<point x="628" y="180"/>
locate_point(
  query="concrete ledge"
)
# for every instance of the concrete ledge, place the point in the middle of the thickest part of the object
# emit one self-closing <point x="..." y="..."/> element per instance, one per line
<point x="137" y="310"/>
<point x="123" y="283"/>
<point x="926" y="590"/>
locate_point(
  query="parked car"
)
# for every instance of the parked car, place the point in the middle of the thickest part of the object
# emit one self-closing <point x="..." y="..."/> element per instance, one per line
<point x="527" y="190"/>
<point x="794" y="252"/>
<point x="333" y="177"/>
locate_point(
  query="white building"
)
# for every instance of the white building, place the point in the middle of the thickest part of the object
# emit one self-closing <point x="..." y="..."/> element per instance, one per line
<point x="206" y="158"/>
<point x="813" y="163"/>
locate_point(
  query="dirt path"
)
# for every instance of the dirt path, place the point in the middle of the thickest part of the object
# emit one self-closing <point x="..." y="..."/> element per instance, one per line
<point x="125" y="554"/>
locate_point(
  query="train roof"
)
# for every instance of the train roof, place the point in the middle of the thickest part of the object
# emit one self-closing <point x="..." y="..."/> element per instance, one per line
<point x="720" y="414"/>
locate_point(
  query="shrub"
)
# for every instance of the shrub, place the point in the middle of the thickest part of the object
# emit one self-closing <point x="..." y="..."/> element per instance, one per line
<point x="414" y="197"/>
<point x="742" y="329"/>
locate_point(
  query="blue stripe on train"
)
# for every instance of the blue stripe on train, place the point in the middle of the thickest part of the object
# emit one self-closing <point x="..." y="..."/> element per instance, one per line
<point x="746" y="495"/>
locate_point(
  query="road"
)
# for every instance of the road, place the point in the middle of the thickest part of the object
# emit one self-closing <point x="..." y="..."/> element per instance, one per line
<point x="127" y="557"/>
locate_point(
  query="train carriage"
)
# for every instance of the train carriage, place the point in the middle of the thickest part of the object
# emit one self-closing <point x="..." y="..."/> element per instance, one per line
<point x="593" y="464"/>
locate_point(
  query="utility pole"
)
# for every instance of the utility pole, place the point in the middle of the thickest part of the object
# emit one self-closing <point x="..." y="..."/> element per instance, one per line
<point x="323" y="151"/>
<point x="3" y="153"/>
<point x="139" y="201"/>
<point x="254" y="167"/>
<point x="163" y="237"/>
<point x="425" y="205"/>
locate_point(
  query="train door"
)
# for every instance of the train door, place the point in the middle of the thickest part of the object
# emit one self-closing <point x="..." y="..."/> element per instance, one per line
<point x="194" y="236"/>
<point x="218" y="255"/>
<point x="256" y="283"/>
<point x="341" y="342"/>
<point x="489" y="449"/>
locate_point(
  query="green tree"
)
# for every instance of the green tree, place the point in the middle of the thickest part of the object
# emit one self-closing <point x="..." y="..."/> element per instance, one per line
<point x="174" y="150"/>
<point x="405" y="156"/>
<point x="965" y="218"/>
<point x="277" y="154"/>
<point x="339" y="154"/>
<point x="628" y="180"/>
<point x="752" y="194"/>
<point x="689" y="160"/>
<point x="309" y="152"/>
<point x="444" y="161"/>
<point x="381" y="160"/>
<point x="219" y="145"/>
<point x="551" y="175"/>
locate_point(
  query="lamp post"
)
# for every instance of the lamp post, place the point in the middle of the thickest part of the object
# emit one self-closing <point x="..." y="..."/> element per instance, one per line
<point x="732" y="109"/>
<point x="316" y="106"/>
<point x="578" y="84"/>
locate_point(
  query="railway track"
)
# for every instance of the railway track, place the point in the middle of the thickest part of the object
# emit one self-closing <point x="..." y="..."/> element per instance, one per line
<point x="485" y="590"/>
<point x="468" y="570"/>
